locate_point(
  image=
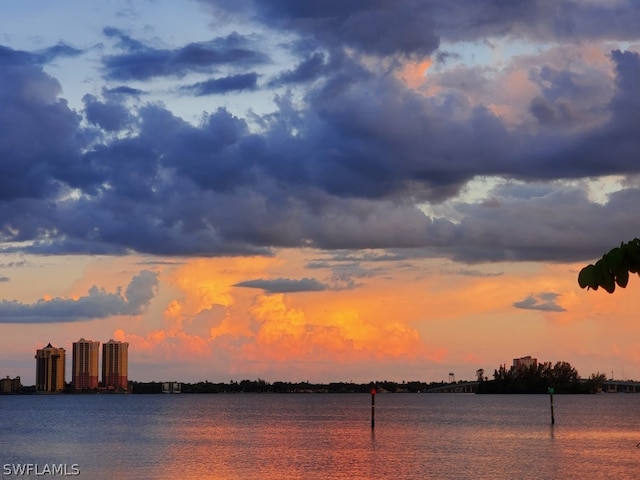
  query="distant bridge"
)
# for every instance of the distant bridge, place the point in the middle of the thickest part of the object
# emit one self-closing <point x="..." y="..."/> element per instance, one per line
<point x="608" y="386"/>
<point x="459" y="387"/>
<point x="620" y="386"/>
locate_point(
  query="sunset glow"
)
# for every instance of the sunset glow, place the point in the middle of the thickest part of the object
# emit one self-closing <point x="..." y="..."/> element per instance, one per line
<point x="318" y="191"/>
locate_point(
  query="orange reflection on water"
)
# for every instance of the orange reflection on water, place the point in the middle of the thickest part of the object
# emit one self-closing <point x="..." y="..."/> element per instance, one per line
<point x="270" y="437"/>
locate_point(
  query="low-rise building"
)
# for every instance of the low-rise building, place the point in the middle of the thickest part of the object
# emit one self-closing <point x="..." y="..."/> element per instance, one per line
<point x="10" y="385"/>
<point x="171" y="387"/>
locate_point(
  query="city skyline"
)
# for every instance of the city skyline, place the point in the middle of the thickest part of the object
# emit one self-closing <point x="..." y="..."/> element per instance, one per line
<point x="318" y="190"/>
<point x="51" y="366"/>
<point x="114" y="368"/>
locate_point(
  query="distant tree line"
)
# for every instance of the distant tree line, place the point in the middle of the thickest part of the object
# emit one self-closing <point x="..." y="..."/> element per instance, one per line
<point x="262" y="386"/>
<point x="562" y="377"/>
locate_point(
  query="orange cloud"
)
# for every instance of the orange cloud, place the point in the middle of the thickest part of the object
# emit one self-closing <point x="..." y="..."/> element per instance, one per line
<point x="207" y="282"/>
<point x="324" y="329"/>
<point x="413" y="73"/>
<point x="205" y="315"/>
<point x="422" y="316"/>
<point x="158" y="345"/>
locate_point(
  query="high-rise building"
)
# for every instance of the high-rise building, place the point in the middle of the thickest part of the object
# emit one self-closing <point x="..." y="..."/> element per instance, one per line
<point x="84" y="373"/>
<point x="115" y="365"/>
<point x="50" y="364"/>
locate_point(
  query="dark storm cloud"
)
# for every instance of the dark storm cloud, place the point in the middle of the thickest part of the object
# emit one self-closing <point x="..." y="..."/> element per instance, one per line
<point x="348" y="163"/>
<point x="416" y="27"/>
<point x="347" y="177"/>
<point x="142" y="62"/>
<point x="547" y="223"/>
<point x="285" y="285"/>
<point x="378" y="27"/>
<point x="538" y="19"/>
<point x="232" y="83"/>
<point x="608" y="149"/>
<point x="545" y="301"/>
<point x="98" y="303"/>
<point x="378" y="138"/>
<point x="40" y="137"/>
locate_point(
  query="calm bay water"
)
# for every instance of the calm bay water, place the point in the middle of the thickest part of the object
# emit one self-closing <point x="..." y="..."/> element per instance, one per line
<point x="296" y="436"/>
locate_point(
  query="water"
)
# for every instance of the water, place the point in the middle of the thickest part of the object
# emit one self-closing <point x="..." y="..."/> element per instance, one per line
<point x="324" y="436"/>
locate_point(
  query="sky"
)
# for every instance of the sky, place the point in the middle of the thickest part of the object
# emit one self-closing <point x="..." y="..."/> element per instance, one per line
<point x="318" y="191"/>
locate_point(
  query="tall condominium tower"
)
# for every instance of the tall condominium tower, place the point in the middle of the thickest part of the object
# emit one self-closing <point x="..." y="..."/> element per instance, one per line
<point x="115" y="365"/>
<point x="50" y="369"/>
<point x="84" y="373"/>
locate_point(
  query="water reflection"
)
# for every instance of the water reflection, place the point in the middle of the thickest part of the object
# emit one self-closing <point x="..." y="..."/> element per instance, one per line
<point x="326" y="436"/>
<point x="296" y="439"/>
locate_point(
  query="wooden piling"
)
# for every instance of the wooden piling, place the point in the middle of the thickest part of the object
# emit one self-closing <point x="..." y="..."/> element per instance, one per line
<point x="373" y="407"/>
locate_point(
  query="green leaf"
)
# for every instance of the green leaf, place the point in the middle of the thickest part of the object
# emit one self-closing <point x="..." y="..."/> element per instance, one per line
<point x="613" y="268"/>
<point x="615" y="263"/>
<point x="587" y="277"/>
<point x="605" y="277"/>
<point x="632" y="255"/>
<point x="622" y="278"/>
<point x="613" y="259"/>
<point x="628" y="259"/>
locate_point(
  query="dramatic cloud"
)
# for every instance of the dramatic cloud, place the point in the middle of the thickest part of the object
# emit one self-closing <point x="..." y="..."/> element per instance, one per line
<point x="545" y="301"/>
<point x="387" y="27"/>
<point x="371" y="141"/>
<point x="31" y="109"/>
<point x="98" y="303"/>
<point x="375" y="27"/>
